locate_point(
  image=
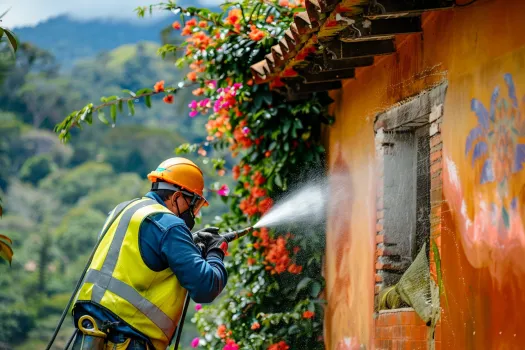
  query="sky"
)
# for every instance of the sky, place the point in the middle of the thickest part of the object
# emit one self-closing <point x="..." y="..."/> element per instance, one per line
<point x="31" y="12"/>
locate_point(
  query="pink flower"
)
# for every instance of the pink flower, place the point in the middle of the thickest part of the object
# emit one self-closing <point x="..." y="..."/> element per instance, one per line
<point x="230" y="345"/>
<point x="193" y="104"/>
<point x="245" y="130"/>
<point x="223" y="191"/>
<point x="198" y="307"/>
<point x="195" y="342"/>
<point x="204" y="103"/>
<point x="194" y="113"/>
<point x="237" y="86"/>
<point x="212" y="84"/>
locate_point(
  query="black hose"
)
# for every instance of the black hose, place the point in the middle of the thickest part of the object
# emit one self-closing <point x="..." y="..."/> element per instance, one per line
<point x="64" y="313"/>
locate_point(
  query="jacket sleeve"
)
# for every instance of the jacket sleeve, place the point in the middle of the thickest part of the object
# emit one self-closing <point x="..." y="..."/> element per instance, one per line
<point x="203" y="278"/>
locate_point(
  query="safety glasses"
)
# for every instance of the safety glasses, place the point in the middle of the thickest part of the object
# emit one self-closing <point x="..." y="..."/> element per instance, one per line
<point x="196" y="201"/>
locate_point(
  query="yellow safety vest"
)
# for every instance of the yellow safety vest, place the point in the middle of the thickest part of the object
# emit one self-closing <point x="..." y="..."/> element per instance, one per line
<point x="119" y="280"/>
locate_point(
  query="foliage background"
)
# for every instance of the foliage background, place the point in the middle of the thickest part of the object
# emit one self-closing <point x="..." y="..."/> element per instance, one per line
<point x="255" y="137"/>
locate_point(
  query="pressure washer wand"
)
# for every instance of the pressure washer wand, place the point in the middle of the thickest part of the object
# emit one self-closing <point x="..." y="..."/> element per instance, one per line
<point x="230" y="237"/>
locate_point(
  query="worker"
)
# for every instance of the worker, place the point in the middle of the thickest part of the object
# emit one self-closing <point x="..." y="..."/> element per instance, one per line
<point x="135" y="287"/>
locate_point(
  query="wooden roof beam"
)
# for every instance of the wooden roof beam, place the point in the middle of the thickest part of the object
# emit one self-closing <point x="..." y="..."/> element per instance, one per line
<point x="319" y="63"/>
<point x="368" y="29"/>
<point x="338" y="50"/>
<point x="389" y="8"/>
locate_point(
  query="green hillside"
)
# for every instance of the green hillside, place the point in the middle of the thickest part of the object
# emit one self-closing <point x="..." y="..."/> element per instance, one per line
<point x="55" y="196"/>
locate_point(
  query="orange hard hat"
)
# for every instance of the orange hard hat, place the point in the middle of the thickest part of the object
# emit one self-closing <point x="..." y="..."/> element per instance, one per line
<point x="183" y="173"/>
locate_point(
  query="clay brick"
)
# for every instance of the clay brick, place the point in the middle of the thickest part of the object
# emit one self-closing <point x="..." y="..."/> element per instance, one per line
<point x="437" y="345"/>
<point x="379" y="226"/>
<point x="377" y="289"/>
<point x="435" y="140"/>
<point x="380" y="214"/>
<point x="379" y="278"/>
<point x="435" y="166"/>
<point x="435" y="156"/>
<point x="408" y="318"/>
<point x="380" y="238"/>
<point x="437" y="147"/>
<point x="436" y="196"/>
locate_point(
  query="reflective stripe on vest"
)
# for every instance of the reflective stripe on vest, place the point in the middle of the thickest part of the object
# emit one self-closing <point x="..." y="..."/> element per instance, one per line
<point x="112" y="256"/>
<point x="105" y="282"/>
<point x="119" y="280"/>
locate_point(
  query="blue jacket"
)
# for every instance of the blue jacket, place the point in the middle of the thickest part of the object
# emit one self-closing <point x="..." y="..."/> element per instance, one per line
<point x="165" y="241"/>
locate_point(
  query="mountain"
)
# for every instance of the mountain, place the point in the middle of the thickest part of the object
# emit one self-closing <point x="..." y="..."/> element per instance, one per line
<point x="70" y="39"/>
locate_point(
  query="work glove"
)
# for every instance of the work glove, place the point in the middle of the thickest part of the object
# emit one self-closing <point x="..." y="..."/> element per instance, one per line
<point x="210" y="239"/>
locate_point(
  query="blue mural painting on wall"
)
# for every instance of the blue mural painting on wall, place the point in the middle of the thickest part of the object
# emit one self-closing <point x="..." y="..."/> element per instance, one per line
<point x="495" y="144"/>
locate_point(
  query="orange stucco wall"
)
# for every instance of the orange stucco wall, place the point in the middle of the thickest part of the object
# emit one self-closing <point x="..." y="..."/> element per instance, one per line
<point x="476" y="49"/>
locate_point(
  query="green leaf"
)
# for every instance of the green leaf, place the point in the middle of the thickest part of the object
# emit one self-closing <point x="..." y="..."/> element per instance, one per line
<point x="131" y="93"/>
<point x="12" y="39"/>
<point x="272" y="146"/>
<point x="113" y="112"/>
<point x="315" y="289"/>
<point x="5" y="238"/>
<point x="102" y="117"/>
<point x="120" y="106"/>
<point x="278" y="181"/>
<point x="1" y="33"/>
<point x="147" y="101"/>
<point x="6" y="252"/>
<point x="131" y="107"/>
<point x="303" y="284"/>
<point x="287" y="125"/>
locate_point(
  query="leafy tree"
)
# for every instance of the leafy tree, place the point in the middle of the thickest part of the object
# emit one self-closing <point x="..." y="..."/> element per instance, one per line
<point x="6" y="35"/>
<point x="70" y="185"/>
<point x="78" y="231"/>
<point x="36" y="168"/>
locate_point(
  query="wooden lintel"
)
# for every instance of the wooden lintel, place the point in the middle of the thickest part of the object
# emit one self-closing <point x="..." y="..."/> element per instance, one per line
<point x="343" y="50"/>
<point x="389" y="7"/>
<point x="319" y="63"/>
<point x="381" y="27"/>
<point x="327" y="75"/>
<point x="298" y="88"/>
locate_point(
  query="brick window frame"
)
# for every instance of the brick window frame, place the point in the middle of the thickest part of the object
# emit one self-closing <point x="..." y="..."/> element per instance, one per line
<point x="423" y="110"/>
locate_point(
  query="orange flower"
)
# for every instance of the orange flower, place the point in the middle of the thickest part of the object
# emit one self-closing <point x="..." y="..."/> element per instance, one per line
<point x="221" y="331"/>
<point x="192" y="76"/>
<point x="159" y="86"/>
<point x="249" y="82"/>
<point x="279" y="346"/>
<point x="295" y="269"/>
<point x="168" y="99"/>
<point x="186" y="31"/>
<point x="258" y="178"/>
<point x="203" y="24"/>
<point x="236" y="171"/>
<point x="258" y="192"/>
<point x="255" y="326"/>
<point x="246" y="169"/>
<point x="284" y="3"/>
<point x="256" y="34"/>
<point x="308" y="314"/>
<point x="198" y="92"/>
<point x="296" y="250"/>
<point x="192" y="22"/>
<point x="265" y="205"/>
<point x="202" y="152"/>
<point x="270" y="19"/>
<point x="251" y="261"/>
<point x="221" y="172"/>
<point x="176" y="25"/>
<point x="234" y="17"/>
<point x="267" y="154"/>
